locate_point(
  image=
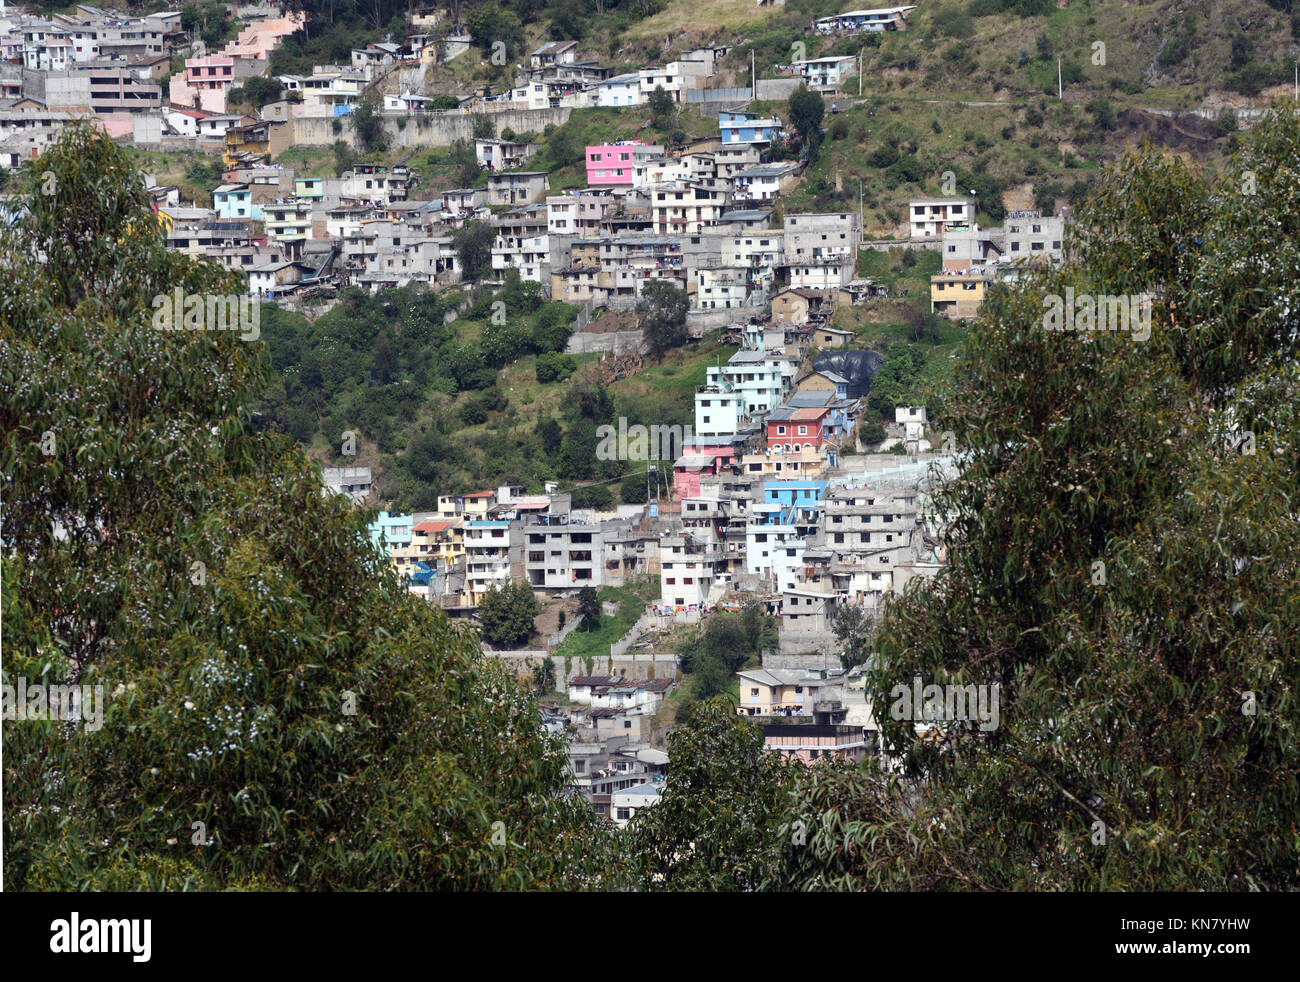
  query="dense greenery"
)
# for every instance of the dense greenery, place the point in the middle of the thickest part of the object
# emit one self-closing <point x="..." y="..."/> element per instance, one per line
<point x="265" y="674"/>
<point x="727" y="643"/>
<point x="386" y="367"/>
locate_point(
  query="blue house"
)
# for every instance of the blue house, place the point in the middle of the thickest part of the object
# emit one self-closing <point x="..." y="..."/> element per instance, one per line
<point x="233" y="201"/>
<point x="740" y="127"/>
<point x="791" y="502"/>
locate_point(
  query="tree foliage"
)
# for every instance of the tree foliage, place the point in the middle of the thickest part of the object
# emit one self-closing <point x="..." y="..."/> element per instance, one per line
<point x="663" y="317"/>
<point x="226" y="684"/>
<point x="507" y="614"/>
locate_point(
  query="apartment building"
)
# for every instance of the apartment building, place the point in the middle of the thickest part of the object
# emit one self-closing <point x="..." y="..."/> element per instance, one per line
<point x="692" y="572"/>
<point x="561" y="556"/>
<point x="523" y="243"/>
<point x="493" y="557"/>
<point x="686" y="208"/>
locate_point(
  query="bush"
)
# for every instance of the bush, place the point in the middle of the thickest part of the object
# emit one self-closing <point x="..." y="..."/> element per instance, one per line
<point x="552" y="367"/>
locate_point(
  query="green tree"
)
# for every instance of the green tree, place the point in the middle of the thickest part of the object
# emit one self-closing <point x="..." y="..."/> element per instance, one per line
<point x="853" y="628"/>
<point x="507" y="614"/>
<point x="254" y="693"/>
<point x="722" y="806"/>
<point x="589" y="608"/>
<point x="662" y="311"/>
<point x="473" y="245"/>
<point x="662" y="109"/>
<point x="368" y="125"/>
<point x="544" y="674"/>
<point x="807" y="109"/>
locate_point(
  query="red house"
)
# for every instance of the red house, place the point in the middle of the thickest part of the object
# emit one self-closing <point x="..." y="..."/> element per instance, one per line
<point x="790" y="430"/>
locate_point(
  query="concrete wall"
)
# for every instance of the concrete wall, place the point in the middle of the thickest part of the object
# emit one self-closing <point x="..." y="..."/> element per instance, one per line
<point x="777" y="88"/>
<point x="797" y="662"/>
<point x="615" y="341"/>
<point x="428" y="130"/>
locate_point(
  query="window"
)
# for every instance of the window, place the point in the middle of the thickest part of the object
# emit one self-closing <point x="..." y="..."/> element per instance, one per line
<point x="624" y="814"/>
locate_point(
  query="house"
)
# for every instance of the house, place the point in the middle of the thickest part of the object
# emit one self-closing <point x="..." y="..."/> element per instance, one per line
<point x="233" y="201"/>
<point x="626" y="803"/>
<point x="780" y="692"/>
<point x="690" y="572"/>
<point x="789" y="430"/>
<point x="762" y="183"/>
<point x="811" y="742"/>
<point x="959" y="293"/>
<point x="799" y="306"/>
<point x="928" y="217"/>
<point x="964" y="246"/>
<point x="554" y="53"/>
<point x="686" y="208"/>
<point x="492" y="557"/>
<point x="612" y="163"/>
<point x="825" y="74"/>
<point x="834" y="386"/>
<point x="621" y="90"/>
<point x="268" y="137"/>
<point x="819" y="236"/>
<point x="560" y="555"/>
<point x="498" y="155"/>
<point x="675" y="78"/>
<point x="1030" y="235"/>
<point x="273" y="278"/>
<point x="354" y="483"/>
<point x="463" y="202"/>
<point x="832" y="337"/>
<point x="516" y="188"/>
<point x="829" y="274"/>
<point x="864" y="21"/>
<point x="741" y="127"/>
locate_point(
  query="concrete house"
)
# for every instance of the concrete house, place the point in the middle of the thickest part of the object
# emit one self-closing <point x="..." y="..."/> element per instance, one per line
<point x="516" y="188"/>
<point x="928" y="217"/>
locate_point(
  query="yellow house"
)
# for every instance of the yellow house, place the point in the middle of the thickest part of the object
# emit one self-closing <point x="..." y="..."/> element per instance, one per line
<point x="269" y="137"/>
<point x="438" y="543"/>
<point x="958" y="294"/>
<point x="766" y="693"/>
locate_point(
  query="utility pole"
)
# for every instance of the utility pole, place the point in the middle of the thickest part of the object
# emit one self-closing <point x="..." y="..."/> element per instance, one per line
<point x="860" y="52"/>
<point x="1059" y="92"/>
<point x="753" y="76"/>
<point x="861" y="213"/>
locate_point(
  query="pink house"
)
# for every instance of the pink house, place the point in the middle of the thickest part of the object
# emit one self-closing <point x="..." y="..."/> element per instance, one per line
<point x="611" y="163"/>
<point x="810" y="743"/>
<point x="699" y="458"/>
<point x="204" y="84"/>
